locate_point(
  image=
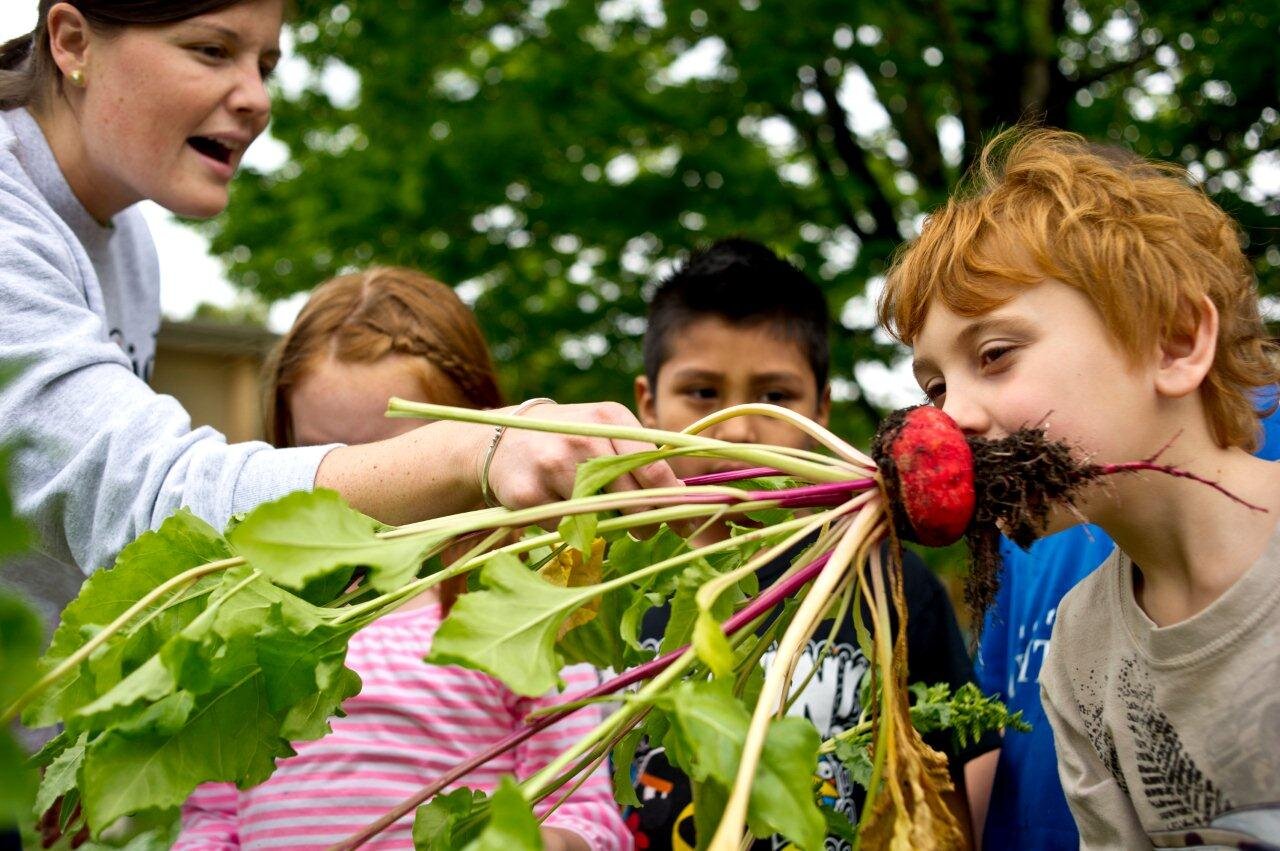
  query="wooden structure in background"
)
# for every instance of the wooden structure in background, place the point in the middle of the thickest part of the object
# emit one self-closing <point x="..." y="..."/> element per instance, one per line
<point x="214" y="369"/>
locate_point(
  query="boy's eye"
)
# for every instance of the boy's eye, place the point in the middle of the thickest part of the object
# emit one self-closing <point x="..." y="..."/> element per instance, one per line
<point x="703" y="394"/>
<point x="993" y="355"/>
<point x="936" y="393"/>
<point x="776" y="397"/>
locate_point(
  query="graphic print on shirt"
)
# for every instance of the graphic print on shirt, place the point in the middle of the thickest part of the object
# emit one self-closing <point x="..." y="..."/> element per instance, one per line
<point x="1173" y="784"/>
<point x="142" y="359"/>
<point x="830" y="701"/>
<point x="1030" y="656"/>
<point x="1093" y="688"/>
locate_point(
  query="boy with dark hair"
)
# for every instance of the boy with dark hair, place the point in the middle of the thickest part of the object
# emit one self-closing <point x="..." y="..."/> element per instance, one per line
<point x="736" y="324"/>
<point x="1112" y="304"/>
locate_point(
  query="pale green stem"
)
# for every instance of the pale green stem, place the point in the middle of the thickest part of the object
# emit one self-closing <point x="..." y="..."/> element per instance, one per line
<point x="478" y="521"/>
<point x="86" y="649"/>
<point x="729" y="833"/>
<point x="842" y="448"/>
<point x="882" y="647"/>
<point x="844" y="597"/>
<point x="416" y="587"/>
<point x="711" y="591"/>
<point x="533" y="786"/>
<point x="825" y="471"/>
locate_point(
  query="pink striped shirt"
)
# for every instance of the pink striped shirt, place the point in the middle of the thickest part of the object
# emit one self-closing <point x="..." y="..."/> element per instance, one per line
<point x="409" y="723"/>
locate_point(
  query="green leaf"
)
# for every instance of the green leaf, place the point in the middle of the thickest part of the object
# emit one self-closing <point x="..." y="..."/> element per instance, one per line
<point x="856" y="757"/>
<point x="709" y="727"/>
<point x="595" y="474"/>
<point x="15" y="537"/>
<point x="710" y="797"/>
<point x="599" y="641"/>
<point x="684" y="606"/>
<point x="17" y="782"/>
<point x="509" y="629"/>
<point x="20" y="639"/>
<point x="442" y="824"/>
<point x="309" y="535"/>
<point x="782" y="797"/>
<point x="182" y="542"/>
<point x="230" y="736"/>
<point x="623" y="756"/>
<point x="512" y="825"/>
<point x="711" y="645"/>
<point x="839" y="825"/>
<point x="221" y="700"/>
<point x="579" y="531"/>
<point x="60" y="777"/>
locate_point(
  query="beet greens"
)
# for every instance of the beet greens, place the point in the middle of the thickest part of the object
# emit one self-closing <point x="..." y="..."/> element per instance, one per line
<point x="201" y="655"/>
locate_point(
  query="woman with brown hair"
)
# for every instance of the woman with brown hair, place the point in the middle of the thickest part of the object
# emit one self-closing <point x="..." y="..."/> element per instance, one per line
<point x="359" y="339"/>
<point x="107" y="103"/>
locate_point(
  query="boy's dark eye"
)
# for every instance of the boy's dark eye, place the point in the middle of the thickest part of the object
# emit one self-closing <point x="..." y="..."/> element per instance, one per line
<point x="936" y="393"/>
<point x="993" y="355"/>
<point x="776" y="397"/>
<point x="704" y="394"/>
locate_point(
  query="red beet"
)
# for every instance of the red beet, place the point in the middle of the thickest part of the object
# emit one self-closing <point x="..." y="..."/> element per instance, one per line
<point x="928" y="469"/>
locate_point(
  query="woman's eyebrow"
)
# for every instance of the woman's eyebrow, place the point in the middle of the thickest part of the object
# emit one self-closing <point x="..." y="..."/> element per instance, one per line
<point x="231" y="36"/>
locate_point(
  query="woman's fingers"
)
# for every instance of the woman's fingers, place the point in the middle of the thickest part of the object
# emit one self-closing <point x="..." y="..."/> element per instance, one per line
<point x="531" y="468"/>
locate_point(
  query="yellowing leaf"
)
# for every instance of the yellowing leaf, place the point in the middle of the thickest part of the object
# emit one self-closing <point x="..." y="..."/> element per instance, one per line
<point x="570" y="570"/>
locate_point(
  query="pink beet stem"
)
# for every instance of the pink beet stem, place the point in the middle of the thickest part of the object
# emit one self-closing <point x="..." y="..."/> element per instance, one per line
<point x="804" y="496"/>
<point x="1139" y="466"/>
<point x="761" y="604"/>
<point x="733" y="476"/>
<point x="813" y="496"/>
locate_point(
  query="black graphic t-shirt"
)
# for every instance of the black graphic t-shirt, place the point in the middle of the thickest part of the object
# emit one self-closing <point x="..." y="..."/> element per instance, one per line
<point x="936" y="654"/>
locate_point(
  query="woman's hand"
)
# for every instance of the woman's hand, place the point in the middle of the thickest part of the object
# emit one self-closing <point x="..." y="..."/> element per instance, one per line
<point x="533" y="468"/>
<point x="435" y="470"/>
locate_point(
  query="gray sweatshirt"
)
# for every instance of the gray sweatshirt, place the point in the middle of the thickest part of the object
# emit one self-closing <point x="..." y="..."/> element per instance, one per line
<point x="103" y="457"/>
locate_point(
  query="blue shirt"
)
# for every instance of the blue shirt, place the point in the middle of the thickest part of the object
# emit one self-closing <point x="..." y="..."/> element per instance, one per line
<point x="1028" y="809"/>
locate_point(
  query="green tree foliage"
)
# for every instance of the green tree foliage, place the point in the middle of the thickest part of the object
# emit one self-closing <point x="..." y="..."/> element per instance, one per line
<point x="553" y="154"/>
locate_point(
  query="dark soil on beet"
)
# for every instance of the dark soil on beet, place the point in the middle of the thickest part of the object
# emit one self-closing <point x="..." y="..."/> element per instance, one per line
<point x="1018" y="479"/>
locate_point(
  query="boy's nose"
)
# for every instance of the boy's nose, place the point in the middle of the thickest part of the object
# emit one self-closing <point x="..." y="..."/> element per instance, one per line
<point x="736" y="430"/>
<point x="970" y="417"/>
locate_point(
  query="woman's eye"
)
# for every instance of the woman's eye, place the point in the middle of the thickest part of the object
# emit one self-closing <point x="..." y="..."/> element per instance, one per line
<point x="212" y="51"/>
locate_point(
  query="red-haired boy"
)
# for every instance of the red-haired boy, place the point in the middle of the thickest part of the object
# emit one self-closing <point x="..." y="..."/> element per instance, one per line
<point x="1110" y="303"/>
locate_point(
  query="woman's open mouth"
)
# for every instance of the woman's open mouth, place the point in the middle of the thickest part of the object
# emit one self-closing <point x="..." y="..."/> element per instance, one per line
<point x="212" y="149"/>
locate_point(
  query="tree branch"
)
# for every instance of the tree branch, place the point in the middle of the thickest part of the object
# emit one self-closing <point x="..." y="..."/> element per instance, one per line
<point x="970" y="114"/>
<point x="855" y="159"/>
<point x="1086" y="80"/>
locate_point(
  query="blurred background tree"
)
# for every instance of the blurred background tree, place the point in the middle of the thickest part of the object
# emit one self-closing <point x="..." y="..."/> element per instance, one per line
<point x="551" y="157"/>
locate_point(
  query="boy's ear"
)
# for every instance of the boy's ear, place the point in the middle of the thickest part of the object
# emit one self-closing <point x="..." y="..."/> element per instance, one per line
<point x="646" y="402"/>
<point x="823" y="415"/>
<point x="1186" y="356"/>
